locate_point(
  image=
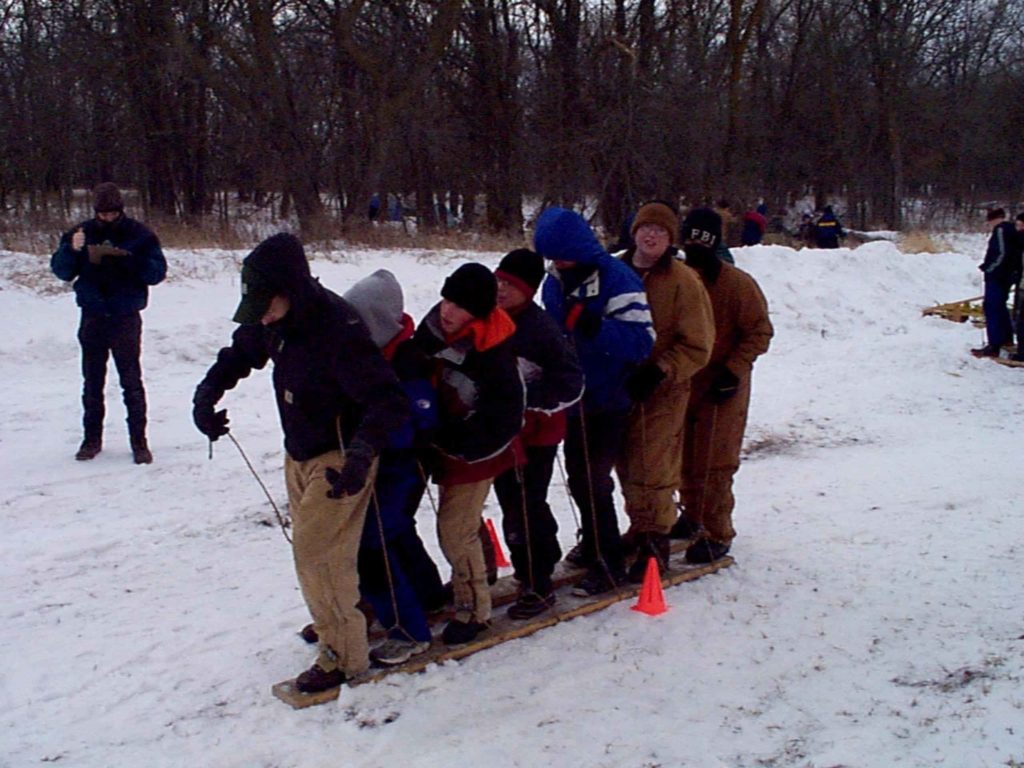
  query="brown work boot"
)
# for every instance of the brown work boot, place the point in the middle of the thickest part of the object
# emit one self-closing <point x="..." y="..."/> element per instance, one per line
<point x="316" y="679"/>
<point x="89" y="449"/>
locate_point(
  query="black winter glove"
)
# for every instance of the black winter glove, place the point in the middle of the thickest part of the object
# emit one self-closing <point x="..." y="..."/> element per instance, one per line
<point x="724" y="387"/>
<point x="352" y="477"/>
<point x="210" y="423"/>
<point x="643" y="380"/>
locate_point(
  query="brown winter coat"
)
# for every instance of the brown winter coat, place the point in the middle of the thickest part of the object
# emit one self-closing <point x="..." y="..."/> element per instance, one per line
<point x="714" y="432"/>
<point x="684" y="327"/>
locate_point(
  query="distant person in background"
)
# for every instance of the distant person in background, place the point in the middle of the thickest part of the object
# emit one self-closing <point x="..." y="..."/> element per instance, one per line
<point x="1002" y="267"/>
<point x="113" y="260"/>
<point x="827" y="229"/>
<point x="754" y="226"/>
<point x="716" y="416"/>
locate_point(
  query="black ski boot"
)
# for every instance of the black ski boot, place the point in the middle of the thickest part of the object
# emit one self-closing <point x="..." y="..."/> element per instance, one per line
<point x="530" y="604"/>
<point x="706" y="551"/>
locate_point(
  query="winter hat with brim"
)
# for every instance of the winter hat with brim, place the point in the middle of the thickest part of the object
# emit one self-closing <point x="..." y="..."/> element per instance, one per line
<point x="474" y="288"/>
<point x="106" y="198"/>
<point x="523" y="268"/>
<point x="656" y="213"/>
<point x="703" y="226"/>
<point x="257" y="293"/>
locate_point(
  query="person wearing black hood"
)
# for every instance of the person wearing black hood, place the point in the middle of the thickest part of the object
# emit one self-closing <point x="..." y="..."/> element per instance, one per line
<point x="338" y="400"/>
<point x="113" y="260"/>
<point x="716" y="415"/>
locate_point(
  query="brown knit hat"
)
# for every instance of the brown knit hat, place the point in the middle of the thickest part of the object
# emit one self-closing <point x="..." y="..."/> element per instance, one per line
<point x="660" y="214"/>
<point x="106" y="197"/>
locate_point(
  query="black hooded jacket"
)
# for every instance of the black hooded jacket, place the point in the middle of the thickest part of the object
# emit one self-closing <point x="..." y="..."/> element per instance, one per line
<point x="326" y="367"/>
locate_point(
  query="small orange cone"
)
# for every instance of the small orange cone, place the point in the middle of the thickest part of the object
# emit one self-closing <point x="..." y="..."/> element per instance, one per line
<point x="499" y="556"/>
<point x="651" y="600"/>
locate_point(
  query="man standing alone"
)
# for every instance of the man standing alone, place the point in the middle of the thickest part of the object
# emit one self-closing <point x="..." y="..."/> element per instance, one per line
<point x="113" y="260"/>
<point x="1002" y="271"/>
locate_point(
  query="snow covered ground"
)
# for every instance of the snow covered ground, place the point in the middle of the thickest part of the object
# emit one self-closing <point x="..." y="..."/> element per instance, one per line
<point x="873" y="617"/>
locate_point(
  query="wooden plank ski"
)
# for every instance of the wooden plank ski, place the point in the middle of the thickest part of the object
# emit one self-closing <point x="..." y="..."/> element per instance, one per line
<point x="506" y="589"/>
<point x="958" y="311"/>
<point x="503" y="629"/>
<point x="1007" y="361"/>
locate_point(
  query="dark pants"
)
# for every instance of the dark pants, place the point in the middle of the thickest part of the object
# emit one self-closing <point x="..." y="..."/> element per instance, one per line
<point x="997" y="316"/>
<point x="605" y="438"/>
<point x="388" y="588"/>
<point x="530" y="529"/>
<point x="102" y="336"/>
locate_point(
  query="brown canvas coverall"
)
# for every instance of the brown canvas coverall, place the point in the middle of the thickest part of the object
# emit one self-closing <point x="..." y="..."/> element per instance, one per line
<point x="650" y="467"/>
<point x="714" y="432"/>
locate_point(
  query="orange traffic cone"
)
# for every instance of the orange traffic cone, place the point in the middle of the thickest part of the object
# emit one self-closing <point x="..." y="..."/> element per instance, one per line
<point x="651" y="600"/>
<point x="499" y="556"/>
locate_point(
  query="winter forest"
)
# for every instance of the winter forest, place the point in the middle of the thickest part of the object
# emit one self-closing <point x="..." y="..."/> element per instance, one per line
<point x="310" y="107"/>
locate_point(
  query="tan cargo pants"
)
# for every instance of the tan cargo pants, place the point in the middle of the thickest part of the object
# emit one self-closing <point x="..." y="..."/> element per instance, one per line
<point x="325" y="544"/>
<point x="649" y="469"/>
<point x="458" y="524"/>
<point x="711" y="457"/>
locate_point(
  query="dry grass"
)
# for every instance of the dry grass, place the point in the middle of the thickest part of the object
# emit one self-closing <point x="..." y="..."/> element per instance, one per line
<point x="921" y="242"/>
<point x="39" y="235"/>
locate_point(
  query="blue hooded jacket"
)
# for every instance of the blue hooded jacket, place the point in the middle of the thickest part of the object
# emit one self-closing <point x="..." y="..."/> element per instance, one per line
<point x="612" y="291"/>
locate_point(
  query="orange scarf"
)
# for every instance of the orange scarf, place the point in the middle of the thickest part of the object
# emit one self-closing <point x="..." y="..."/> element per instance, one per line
<point x="487" y="332"/>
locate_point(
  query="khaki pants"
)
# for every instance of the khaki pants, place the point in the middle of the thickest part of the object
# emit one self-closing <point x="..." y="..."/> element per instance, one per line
<point x="649" y="469"/>
<point x="711" y="456"/>
<point x="325" y="545"/>
<point x="458" y="523"/>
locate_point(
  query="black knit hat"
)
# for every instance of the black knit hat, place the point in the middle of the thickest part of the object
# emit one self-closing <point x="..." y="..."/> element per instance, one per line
<point x="474" y="288"/>
<point x="106" y="198"/>
<point x="702" y="225"/>
<point x="523" y="268"/>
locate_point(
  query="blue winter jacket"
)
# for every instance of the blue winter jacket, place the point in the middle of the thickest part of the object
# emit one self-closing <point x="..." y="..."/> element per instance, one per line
<point x="118" y="285"/>
<point x="610" y="290"/>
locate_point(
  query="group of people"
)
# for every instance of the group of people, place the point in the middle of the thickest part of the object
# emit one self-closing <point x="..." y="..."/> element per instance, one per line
<point x="821" y="229"/>
<point x="1002" y="270"/>
<point x="639" y="363"/>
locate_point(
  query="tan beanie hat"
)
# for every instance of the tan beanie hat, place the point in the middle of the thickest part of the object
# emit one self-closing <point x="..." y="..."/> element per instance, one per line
<point x="660" y="214"/>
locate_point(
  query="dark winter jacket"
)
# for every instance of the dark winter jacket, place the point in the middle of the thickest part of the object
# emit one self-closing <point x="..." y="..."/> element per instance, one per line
<point x="551" y="370"/>
<point x="828" y="230"/>
<point x="1003" y="255"/>
<point x="481" y="396"/>
<point x="603" y="286"/>
<point x="326" y="368"/>
<point x="117" y="285"/>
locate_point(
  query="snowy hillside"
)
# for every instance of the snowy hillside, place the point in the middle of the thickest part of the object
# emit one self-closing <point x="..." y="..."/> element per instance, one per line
<point x="873" y="617"/>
